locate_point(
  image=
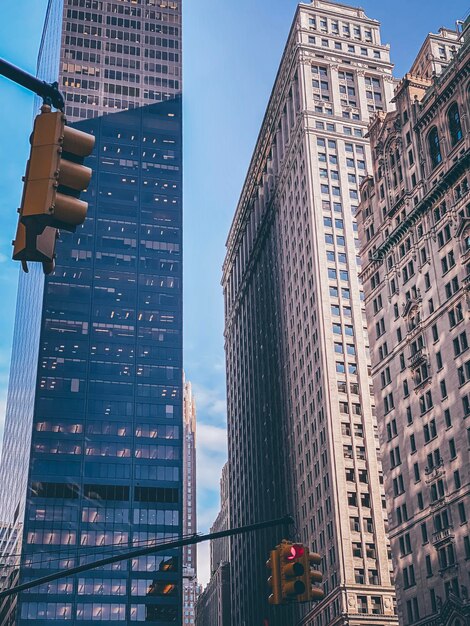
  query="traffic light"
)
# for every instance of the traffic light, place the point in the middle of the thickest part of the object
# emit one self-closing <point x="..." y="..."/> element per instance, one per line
<point x="293" y="576"/>
<point x="30" y="246"/>
<point x="274" y="580"/>
<point x="311" y="577"/>
<point x="55" y="176"/>
<point x="292" y="570"/>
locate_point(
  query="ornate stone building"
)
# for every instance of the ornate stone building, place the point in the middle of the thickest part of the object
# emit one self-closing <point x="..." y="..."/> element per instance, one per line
<point x="301" y="423"/>
<point x="414" y="222"/>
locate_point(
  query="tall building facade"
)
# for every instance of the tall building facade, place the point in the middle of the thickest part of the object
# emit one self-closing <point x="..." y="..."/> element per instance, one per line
<point x="118" y="55"/>
<point x="213" y="606"/>
<point x="220" y="548"/>
<point x="191" y="588"/>
<point x="302" y="431"/>
<point x="92" y="455"/>
<point x="414" y="223"/>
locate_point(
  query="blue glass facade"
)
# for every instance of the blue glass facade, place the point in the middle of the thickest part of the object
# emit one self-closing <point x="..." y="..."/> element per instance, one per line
<point x="105" y="468"/>
<point x="92" y="453"/>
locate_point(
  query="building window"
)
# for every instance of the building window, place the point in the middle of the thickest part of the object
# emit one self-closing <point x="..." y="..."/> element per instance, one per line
<point x="466" y="543"/>
<point x="359" y="576"/>
<point x="455" y="127"/>
<point x="452" y="449"/>
<point x="425" y="402"/>
<point x="420" y="501"/>
<point x="443" y="389"/>
<point x="409" y="577"/>
<point x="466" y="405"/>
<point x="428" y="566"/>
<point x="451" y="287"/>
<point x="424" y="532"/>
<point x="446" y="556"/>
<point x="405" y="544"/>
<point x="409" y="415"/>
<point x="460" y="344"/>
<point x="434" y="147"/>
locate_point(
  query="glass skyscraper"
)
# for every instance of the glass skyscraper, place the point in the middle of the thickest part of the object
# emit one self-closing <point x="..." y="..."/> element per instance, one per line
<point x="92" y="455"/>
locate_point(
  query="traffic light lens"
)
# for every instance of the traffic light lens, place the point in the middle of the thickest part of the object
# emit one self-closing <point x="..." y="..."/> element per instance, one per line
<point x="296" y="552"/>
<point x="299" y="587"/>
<point x="298" y="569"/>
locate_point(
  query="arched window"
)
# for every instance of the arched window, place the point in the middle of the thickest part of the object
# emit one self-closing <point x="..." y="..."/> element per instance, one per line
<point x="434" y="147"/>
<point x="455" y="127"/>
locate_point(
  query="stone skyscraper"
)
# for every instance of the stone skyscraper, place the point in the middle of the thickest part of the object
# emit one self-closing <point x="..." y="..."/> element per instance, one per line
<point x="92" y="454"/>
<point x="301" y="418"/>
<point x="414" y="222"/>
<point x="191" y="587"/>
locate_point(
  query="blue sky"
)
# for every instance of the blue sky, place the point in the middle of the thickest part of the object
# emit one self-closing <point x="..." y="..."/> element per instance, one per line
<point x="231" y="54"/>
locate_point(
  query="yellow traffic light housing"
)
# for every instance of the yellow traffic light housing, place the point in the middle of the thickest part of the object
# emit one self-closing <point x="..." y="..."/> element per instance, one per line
<point x="55" y="174"/>
<point x="31" y="246"/>
<point x="292" y="570"/>
<point x="293" y="575"/>
<point x="312" y="577"/>
<point x="274" y="581"/>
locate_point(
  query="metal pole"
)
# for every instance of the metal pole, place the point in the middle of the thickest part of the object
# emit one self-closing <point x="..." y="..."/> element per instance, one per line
<point x="162" y="547"/>
<point x="48" y="92"/>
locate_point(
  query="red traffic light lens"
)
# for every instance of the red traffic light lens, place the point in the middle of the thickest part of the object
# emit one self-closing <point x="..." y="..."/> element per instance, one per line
<point x="296" y="552"/>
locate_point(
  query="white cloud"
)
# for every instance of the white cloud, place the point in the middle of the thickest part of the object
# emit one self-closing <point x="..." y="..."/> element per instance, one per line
<point x="211" y="455"/>
<point x="211" y="437"/>
<point x="210" y="402"/>
<point x="203" y="563"/>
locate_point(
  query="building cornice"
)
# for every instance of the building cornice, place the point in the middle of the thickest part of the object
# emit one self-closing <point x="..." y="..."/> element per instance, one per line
<point x="343" y="11"/>
<point x="411" y="80"/>
<point x="443" y="89"/>
<point x="439" y="189"/>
